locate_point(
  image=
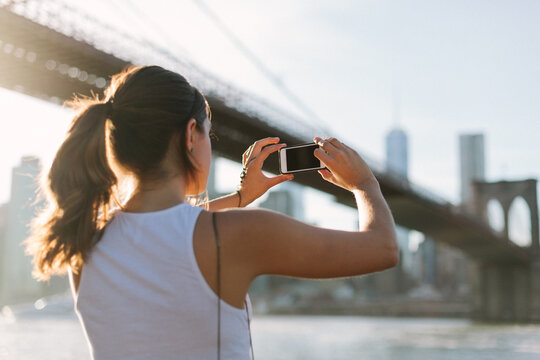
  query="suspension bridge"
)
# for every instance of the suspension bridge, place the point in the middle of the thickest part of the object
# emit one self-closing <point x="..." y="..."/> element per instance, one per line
<point x="52" y="51"/>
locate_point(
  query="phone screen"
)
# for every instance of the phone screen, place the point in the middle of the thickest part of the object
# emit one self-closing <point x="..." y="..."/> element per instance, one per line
<point x="302" y="158"/>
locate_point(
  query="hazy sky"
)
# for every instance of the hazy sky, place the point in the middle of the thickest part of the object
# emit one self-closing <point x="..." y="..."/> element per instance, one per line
<point x="458" y="67"/>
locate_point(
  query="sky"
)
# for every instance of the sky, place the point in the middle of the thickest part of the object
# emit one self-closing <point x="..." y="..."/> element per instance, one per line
<point x="437" y="69"/>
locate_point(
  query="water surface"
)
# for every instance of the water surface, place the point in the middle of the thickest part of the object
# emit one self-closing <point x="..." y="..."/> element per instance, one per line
<point x="58" y="336"/>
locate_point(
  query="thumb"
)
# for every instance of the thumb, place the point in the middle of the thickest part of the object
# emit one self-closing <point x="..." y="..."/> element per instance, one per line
<point x="327" y="175"/>
<point x="280" y="178"/>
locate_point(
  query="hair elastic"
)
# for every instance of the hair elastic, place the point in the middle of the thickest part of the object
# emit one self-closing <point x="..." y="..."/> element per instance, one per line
<point x="110" y="108"/>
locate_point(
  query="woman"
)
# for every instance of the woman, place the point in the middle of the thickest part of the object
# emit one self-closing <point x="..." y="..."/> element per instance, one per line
<point x="146" y="274"/>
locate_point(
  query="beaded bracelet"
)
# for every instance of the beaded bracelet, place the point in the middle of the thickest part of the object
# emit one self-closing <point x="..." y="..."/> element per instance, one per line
<point x="243" y="174"/>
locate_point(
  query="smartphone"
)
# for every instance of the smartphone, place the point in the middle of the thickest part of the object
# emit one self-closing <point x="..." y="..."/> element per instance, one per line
<point x="299" y="158"/>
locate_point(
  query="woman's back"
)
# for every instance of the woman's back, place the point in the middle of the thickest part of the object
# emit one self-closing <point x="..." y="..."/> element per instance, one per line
<point x="142" y="294"/>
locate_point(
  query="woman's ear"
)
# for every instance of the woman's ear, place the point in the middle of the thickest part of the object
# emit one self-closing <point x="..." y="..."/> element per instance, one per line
<point x="190" y="133"/>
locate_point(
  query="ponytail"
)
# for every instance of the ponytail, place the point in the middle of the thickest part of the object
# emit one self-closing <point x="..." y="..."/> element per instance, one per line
<point x="132" y="134"/>
<point x="79" y="188"/>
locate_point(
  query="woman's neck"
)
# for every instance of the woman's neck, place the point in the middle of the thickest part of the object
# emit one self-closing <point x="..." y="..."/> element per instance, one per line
<point x="157" y="196"/>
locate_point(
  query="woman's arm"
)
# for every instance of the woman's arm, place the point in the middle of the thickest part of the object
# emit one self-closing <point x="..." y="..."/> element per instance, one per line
<point x="266" y="242"/>
<point x="225" y="202"/>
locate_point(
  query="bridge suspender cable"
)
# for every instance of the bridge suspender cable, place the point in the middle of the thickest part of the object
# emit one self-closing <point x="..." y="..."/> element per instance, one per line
<point x="295" y="100"/>
<point x="158" y="30"/>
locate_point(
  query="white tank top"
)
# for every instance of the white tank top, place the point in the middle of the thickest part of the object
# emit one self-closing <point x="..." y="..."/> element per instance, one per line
<point x="142" y="295"/>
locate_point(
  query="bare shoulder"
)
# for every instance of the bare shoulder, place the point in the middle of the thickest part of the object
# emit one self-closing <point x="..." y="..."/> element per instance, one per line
<point x="247" y="227"/>
<point x="249" y="237"/>
<point x="230" y="224"/>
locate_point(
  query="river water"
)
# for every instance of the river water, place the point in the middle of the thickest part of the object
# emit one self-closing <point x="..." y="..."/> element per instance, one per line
<point x="59" y="336"/>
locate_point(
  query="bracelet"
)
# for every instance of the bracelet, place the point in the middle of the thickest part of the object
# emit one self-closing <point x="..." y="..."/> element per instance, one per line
<point x="243" y="174"/>
<point x="239" y="198"/>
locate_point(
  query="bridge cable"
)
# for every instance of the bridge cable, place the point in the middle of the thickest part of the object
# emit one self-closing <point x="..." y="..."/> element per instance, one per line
<point x="158" y="30"/>
<point x="135" y="21"/>
<point x="244" y="49"/>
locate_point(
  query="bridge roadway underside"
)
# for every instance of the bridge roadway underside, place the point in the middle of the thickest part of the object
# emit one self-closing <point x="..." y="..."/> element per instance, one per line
<point x="236" y="131"/>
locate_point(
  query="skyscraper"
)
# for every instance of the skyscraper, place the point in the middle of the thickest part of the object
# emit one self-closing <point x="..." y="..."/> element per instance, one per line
<point x="16" y="267"/>
<point x="472" y="164"/>
<point x="16" y="271"/>
<point x="397" y="158"/>
<point x="472" y="167"/>
<point x="397" y="162"/>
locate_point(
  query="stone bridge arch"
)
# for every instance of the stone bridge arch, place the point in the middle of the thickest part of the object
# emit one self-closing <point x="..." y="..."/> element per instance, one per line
<point x="505" y="192"/>
<point x="495" y="214"/>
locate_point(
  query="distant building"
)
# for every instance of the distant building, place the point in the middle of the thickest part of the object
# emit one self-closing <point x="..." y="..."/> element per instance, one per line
<point x="472" y="167"/>
<point x="397" y="163"/>
<point x="472" y="164"/>
<point x="443" y="268"/>
<point x="288" y="200"/>
<point x="397" y="280"/>
<point x="452" y="272"/>
<point x="3" y="214"/>
<point x="16" y="267"/>
<point x="397" y="156"/>
<point x="428" y="250"/>
<point x="446" y="268"/>
<point x="418" y="262"/>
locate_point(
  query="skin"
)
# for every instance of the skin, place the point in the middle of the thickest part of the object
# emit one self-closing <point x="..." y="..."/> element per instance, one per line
<point x="259" y="241"/>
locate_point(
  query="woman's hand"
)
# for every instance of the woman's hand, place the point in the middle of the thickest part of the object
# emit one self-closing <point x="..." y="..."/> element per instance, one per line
<point x="255" y="183"/>
<point x="345" y="168"/>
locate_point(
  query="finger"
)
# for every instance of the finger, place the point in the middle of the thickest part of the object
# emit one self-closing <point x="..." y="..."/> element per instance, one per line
<point x="248" y="150"/>
<point x="326" y="174"/>
<point x="259" y="144"/>
<point x="247" y="165"/>
<point x="325" y="171"/>
<point x="324" y="157"/>
<point x="279" y="179"/>
<point x="327" y="146"/>
<point x="246" y="155"/>
<point x="337" y="144"/>
<point x="267" y="151"/>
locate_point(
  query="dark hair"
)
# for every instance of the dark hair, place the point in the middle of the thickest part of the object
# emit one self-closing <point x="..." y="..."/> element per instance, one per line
<point x="144" y="109"/>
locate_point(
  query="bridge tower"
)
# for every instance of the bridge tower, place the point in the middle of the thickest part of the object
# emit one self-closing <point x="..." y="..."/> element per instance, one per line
<point x="506" y="291"/>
